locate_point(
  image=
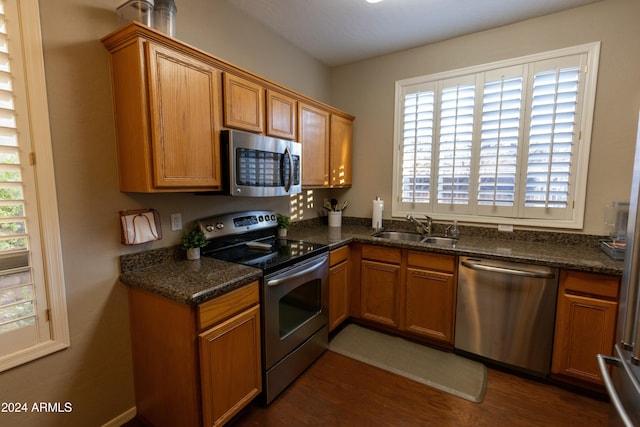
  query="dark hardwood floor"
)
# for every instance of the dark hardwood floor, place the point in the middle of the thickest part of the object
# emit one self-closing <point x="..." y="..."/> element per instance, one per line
<point x="339" y="391"/>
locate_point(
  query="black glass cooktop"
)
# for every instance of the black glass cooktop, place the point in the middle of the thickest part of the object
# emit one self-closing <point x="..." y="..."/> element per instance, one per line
<point x="276" y="254"/>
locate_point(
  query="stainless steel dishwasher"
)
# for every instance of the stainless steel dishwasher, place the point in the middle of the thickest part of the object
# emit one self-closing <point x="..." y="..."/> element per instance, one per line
<point x="506" y="312"/>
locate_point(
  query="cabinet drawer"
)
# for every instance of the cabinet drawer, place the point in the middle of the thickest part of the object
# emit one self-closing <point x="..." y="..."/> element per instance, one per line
<point x="339" y="255"/>
<point x="432" y="261"/>
<point x="600" y="285"/>
<point x="381" y="253"/>
<point x="227" y="305"/>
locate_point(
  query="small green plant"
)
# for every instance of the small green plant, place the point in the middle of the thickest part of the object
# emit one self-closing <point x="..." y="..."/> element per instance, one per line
<point x="283" y="221"/>
<point x="194" y="238"/>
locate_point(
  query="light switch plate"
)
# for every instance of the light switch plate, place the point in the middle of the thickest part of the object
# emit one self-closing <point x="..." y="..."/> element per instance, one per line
<point x="176" y="222"/>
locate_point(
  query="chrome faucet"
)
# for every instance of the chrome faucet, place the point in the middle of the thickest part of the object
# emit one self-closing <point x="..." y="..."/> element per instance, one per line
<point x="420" y="227"/>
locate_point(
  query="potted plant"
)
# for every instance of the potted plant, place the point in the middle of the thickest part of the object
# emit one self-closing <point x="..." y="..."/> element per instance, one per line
<point x="193" y="240"/>
<point x="283" y="225"/>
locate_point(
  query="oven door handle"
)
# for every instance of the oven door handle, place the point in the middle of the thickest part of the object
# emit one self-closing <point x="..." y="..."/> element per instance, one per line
<point x="307" y="270"/>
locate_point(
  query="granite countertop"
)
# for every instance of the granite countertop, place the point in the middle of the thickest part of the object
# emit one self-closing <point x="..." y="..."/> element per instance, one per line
<point x="564" y="251"/>
<point x="166" y="271"/>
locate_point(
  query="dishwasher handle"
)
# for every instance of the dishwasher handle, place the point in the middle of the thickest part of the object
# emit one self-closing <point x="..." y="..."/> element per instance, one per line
<point x="512" y="271"/>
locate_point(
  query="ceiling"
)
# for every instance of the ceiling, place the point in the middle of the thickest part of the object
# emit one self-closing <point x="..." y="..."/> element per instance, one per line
<point x="338" y="32"/>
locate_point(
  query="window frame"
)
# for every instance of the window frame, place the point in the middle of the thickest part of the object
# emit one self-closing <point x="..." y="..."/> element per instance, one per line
<point x="23" y="17"/>
<point x="583" y="127"/>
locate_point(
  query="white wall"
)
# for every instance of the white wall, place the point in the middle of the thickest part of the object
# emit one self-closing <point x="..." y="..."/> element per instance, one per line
<point x="366" y="90"/>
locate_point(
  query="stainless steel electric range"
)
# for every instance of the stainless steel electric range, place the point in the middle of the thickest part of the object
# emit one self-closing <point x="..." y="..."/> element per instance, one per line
<point x="294" y="291"/>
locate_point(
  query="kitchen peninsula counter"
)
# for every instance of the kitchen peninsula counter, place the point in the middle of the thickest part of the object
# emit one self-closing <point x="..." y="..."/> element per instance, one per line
<point x="166" y="272"/>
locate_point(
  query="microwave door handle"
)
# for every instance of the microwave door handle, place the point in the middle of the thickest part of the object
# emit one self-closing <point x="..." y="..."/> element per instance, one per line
<point x="287" y="153"/>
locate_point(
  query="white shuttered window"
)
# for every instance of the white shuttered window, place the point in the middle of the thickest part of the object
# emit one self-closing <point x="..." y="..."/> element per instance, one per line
<point x="33" y="318"/>
<point x="505" y="142"/>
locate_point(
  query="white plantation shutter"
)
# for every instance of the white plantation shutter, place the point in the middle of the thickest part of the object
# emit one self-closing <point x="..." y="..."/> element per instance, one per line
<point x="416" y="146"/>
<point x="501" y="141"/>
<point x="455" y="143"/>
<point x="552" y="134"/>
<point x="417" y="143"/>
<point x="33" y="318"/>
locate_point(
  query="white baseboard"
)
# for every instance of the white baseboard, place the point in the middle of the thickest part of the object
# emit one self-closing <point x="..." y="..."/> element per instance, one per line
<point x="122" y="418"/>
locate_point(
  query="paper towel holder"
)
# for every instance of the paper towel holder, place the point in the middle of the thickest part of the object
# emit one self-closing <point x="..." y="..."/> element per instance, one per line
<point x="376" y="217"/>
<point x="140" y="218"/>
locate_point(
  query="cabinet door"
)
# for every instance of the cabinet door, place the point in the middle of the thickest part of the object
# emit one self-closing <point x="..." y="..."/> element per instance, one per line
<point x="339" y="293"/>
<point x="585" y="327"/>
<point x="314" y="137"/>
<point x="380" y="292"/>
<point x="340" y="151"/>
<point x="243" y="104"/>
<point x="430" y="304"/>
<point x="230" y="366"/>
<point x="281" y="115"/>
<point x="185" y="108"/>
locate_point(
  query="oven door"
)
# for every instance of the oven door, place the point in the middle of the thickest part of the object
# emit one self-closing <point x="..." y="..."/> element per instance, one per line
<point x="295" y="307"/>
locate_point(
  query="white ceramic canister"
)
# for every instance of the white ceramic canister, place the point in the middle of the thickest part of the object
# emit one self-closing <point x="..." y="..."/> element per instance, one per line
<point x="335" y="219"/>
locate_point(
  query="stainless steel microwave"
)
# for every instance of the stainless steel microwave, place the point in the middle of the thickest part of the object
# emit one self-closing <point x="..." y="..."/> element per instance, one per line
<point x="261" y="166"/>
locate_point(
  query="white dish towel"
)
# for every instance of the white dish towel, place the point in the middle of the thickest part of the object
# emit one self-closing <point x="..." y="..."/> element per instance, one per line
<point x="139" y="228"/>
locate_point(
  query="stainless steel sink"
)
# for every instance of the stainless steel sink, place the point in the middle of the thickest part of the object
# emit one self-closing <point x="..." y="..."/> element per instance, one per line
<point x="399" y="235"/>
<point x="416" y="237"/>
<point x="440" y="241"/>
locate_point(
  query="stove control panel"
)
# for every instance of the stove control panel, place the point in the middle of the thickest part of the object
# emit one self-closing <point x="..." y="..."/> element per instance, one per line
<point x="237" y="223"/>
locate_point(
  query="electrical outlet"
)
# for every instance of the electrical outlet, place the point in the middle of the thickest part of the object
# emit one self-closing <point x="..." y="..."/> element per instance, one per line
<point x="506" y="228"/>
<point x="176" y="222"/>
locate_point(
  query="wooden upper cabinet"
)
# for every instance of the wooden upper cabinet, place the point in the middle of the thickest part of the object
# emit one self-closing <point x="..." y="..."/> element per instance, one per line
<point x="314" y="137"/>
<point x="341" y="157"/>
<point x="172" y="100"/>
<point x="243" y="104"/>
<point x="183" y="94"/>
<point x="281" y="115"/>
<point x="168" y="109"/>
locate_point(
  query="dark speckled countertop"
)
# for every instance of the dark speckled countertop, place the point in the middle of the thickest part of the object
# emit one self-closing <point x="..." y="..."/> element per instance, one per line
<point x="166" y="271"/>
<point x="575" y="253"/>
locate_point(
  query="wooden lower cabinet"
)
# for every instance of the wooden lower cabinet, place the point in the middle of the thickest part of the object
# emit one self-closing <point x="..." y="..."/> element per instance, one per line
<point x="585" y="324"/>
<point x="431" y="295"/>
<point x="339" y="286"/>
<point x="195" y="365"/>
<point x="381" y="292"/>
<point x="380" y="285"/>
<point x="230" y="366"/>
<point x="410" y="291"/>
